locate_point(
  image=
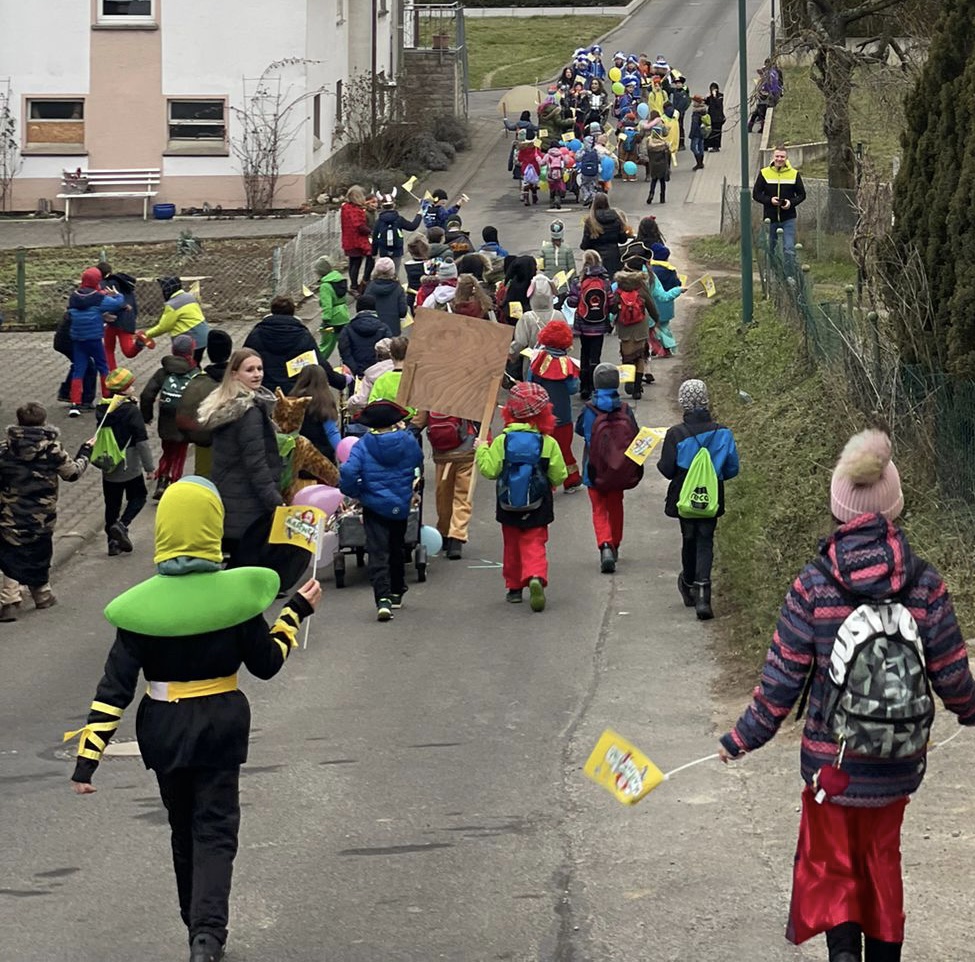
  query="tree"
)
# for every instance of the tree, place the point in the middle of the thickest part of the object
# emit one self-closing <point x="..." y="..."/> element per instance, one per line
<point x="267" y="126"/>
<point x="10" y="160"/>
<point x="934" y="192"/>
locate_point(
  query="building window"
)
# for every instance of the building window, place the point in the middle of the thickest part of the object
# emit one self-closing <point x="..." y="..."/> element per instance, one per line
<point x="125" y="11"/>
<point x="197" y="123"/>
<point x="316" y="116"/>
<point x="55" y="123"/>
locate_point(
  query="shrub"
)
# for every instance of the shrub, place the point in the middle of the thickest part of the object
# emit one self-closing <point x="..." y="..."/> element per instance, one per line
<point x="453" y="130"/>
<point x="425" y="152"/>
<point x="336" y="179"/>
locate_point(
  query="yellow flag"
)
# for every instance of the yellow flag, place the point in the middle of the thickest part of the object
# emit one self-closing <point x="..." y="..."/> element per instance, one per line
<point x="515" y="310"/>
<point x="622" y="769"/>
<point x="410" y="184"/>
<point x="195" y="289"/>
<point x="295" y="365"/>
<point x="560" y="280"/>
<point x="643" y="444"/>
<point x="708" y="282"/>
<point x="305" y="291"/>
<point x="542" y="132"/>
<point x="427" y="195"/>
<point x="627" y="373"/>
<point x="299" y="525"/>
<point x="407" y="321"/>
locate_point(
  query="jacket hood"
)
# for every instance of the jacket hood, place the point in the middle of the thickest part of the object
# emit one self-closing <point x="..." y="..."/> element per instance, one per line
<point x="607" y="399"/>
<point x="607" y="216"/>
<point x="213" y="415"/>
<point x="869" y="555"/>
<point x="380" y="367"/>
<point x="28" y="443"/>
<point x="384" y="285"/>
<point x="630" y="280"/>
<point x="786" y="168"/>
<point x="522" y="268"/>
<point x="85" y="298"/>
<point x="444" y="293"/>
<point x="189" y="524"/>
<point x="123" y="283"/>
<point x="283" y="335"/>
<point x="366" y="324"/>
<point x="596" y="271"/>
<point x="216" y="371"/>
<point x="391" y="448"/>
<point x="172" y="364"/>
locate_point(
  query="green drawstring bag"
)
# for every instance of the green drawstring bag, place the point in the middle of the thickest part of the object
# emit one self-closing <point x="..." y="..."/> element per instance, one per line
<point x="106" y="455"/>
<point x="699" y="492"/>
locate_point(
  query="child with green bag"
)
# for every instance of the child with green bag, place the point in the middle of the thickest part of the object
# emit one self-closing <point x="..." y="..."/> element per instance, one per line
<point x="697" y="457"/>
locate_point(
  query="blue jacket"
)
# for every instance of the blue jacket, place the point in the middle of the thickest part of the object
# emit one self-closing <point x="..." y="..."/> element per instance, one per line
<point x="493" y="248"/>
<point x="434" y="215"/>
<point x="604" y="399"/>
<point x="391" y="220"/>
<point x="86" y="308"/>
<point x="379" y="473"/>
<point x="682" y="442"/>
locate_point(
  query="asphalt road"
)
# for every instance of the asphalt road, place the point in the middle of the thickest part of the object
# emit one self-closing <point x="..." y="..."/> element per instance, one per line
<point x="415" y="790"/>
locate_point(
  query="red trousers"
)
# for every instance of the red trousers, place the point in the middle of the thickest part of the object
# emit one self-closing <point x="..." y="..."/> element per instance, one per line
<point x="524" y="555"/>
<point x="563" y="436"/>
<point x="848" y="869"/>
<point x="173" y="460"/>
<point x="126" y="341"/>
<point x="607" y="516"/>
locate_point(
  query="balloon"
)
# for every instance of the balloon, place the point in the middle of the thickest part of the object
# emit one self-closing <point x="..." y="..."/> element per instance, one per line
<point x="431" y="539"/>
<point x="643" y="111"/>
<point x="618" y="88"/>
<point x="570" y="162"/>
<point x="615" y="74"/>
<point x="629" y="168"/>
<point x="575" y="144"/>
<point x="607" y="168"/>
<point x="344" y="449"/>
<point x="320" y="496"/>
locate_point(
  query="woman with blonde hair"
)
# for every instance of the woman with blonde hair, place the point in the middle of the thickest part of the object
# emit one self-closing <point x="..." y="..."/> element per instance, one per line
<point x="356" y="234"/>
<point x="471" y="299"/>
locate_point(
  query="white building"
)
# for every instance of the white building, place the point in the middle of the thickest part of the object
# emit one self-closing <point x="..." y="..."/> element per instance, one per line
<point x="108" y="84"/>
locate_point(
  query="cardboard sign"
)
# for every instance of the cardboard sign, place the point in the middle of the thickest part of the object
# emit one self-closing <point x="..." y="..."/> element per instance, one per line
<point x="299" y="525"/>
<point x="622" y="769"/>
<point x="542" y="132"/>
<point x="297" y="364"/>
<point x="643" y="444"/>
<point x="454" y="364"/>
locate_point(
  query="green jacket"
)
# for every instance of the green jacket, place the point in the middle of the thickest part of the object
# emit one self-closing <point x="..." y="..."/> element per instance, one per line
<point x="490" y="457"/>
<point x="335" y="311"/>
<point x="386" y="387"/>
<point x="555" y="259"/>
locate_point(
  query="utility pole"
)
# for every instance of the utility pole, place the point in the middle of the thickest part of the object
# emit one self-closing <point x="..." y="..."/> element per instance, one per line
<point x="771" y="42"/>
<point x="747" y="292"/>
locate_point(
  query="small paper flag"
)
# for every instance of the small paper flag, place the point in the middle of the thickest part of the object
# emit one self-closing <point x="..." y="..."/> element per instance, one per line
<point x="299" y="525"/>
<point x="622" y="769"/>
<point x="627" y="373"/>
<point x="296" y="364"/>
<point x="305" y="291"/>
<point x="515" y="310"/>
<point x="643" y="444"/>
<point x="427" y="195"/>
<point x="542" y="132"/>
<point x="683" y="279"/>
<point x="709" y="288"/>
<point x="410" y="184"/>
<point x="407" y="321"/>
<point x="568" y="136"/>
<point x="560" y="279"/>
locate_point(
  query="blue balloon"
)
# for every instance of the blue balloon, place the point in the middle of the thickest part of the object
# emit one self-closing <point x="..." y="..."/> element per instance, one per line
<point x="431" y="539"/>
<point x="607" y="168"/>
<point x="629" y="168"/>
<point x="643" y="111"/>
<point x="575" y="144"/>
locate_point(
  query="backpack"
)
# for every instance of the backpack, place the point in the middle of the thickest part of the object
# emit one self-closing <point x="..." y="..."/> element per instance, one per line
<point x="446" y="432"/>
<point x="523" y="484"/>
<point x="589" y="164"/>
<point x="698" y="497"/>
<point x="593" y="300"/>
<point x="393" y="234"/>
<point x="530" y="175"/>
<point x="431" y="216"/>
<point x="609" y="467"/>
<point x="632" y="309"/>
<point x="877" y="699"/>
<point x="172" y="390"/>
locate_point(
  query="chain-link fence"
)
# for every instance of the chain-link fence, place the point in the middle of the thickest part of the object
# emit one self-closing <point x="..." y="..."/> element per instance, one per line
<point x="294" y="262"/>
<point x="826" y="210"/>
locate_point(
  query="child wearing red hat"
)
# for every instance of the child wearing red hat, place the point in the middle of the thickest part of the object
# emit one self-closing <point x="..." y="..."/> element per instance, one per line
<point x="526" y="462"/>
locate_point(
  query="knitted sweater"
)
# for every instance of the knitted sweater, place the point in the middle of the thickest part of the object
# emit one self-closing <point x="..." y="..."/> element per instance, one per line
<point x="872" y="557"/>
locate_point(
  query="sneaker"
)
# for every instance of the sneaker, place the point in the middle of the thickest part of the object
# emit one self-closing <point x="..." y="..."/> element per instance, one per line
<point x="119" y="533"/>
<point x="514" y="596"/>
<point x="113" y="548"/>
<point x="44" y="599"/>
<point x="205" y="948"/>
<point x="607" y="559"/>
<point x="384" y="609"/>
<point x="74" y="411"/>
<point x="536" y="594"/>
<point x="395" y="602"/>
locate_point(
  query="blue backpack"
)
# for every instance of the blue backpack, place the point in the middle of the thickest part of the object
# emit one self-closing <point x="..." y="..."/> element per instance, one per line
<point x="589" y="163"/>
<point x="523" y="483"/>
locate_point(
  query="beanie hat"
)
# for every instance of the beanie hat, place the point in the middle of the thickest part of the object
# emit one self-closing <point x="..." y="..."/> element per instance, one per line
<point x="382" y="348"/>
<point x="526" y="400"/>
<point x="183" y="345"/>
<point x="556" y="334"/>
<point x="169" y="286"/>
<point x="660" y="252"/>
<point x="323" y="266"/>
<point x="91" y="278"/>
<point x="446" y="270"/>
<point x="385" y="266"/>
<point x="865" y="480"/>
<point x="382" y="414"/>
<point x="692" y="395"/>
<point x="119" y="380"/>
<point x="489" y="234"/>
<point x="606" y="376"/>
<point x="220" y="345"/>
<point x="454" y="220"/>
<point x="557" y="229"/>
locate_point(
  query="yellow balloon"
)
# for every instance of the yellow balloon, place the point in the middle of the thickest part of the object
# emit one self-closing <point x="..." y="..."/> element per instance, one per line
<point x="615" y="74"/>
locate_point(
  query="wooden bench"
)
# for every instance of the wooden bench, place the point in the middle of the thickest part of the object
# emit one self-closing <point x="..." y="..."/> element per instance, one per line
<point x="90" y="185"/>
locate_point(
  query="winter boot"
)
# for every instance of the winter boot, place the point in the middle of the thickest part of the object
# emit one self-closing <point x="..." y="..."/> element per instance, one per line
<point x="702" y="604"/>
<point x="534" y="195"/>
<point x="663" y="192"/>
<point x="8" y="613"/>
<point x="113" y="549"/>
<point x="650" y="196"/>
<point x="161" y="486"/>
<point x="205" y="948"/>
<point x="637" y="392"/>
<point x="119" y="533"/>
<point x="455" y="549"/>
<point x="43" y="597"/>
<point x="607" y="559"/>
<point x="686" y="591"/>
<point x="536" y="594"/>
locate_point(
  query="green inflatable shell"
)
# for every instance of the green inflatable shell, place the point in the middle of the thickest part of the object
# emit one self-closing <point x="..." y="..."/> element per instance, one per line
<point x="174" y="606"/>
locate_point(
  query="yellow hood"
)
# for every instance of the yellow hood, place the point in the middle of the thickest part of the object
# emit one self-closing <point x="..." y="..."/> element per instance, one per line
<point x="189" y="522"/>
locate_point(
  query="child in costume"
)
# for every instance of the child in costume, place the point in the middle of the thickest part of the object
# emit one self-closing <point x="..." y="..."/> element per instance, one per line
<point x="866" y="733"/>
<point x="662" y="341"/>
<point x="606" y="493"/>
<point x="541" y="297"/>
<point x="387" y="235"/>
<point x="554" y="162"/>
<point x="126" y="481"/>
<point x="386" y="386"/>
<point x="527" y="464"/>
<point x="198" y="624"/>
<point x="31" y="462"/>
<point x="592" y="299"/>
<point x="635" y="314"/>
<point x="530" y="161"/>
<point x="379" y="473"/>
<point x="554" y="370"/>
<point x="333" y="289"/>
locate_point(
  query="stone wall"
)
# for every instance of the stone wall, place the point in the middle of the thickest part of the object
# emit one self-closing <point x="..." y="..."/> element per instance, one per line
<point x="439" y="75"/>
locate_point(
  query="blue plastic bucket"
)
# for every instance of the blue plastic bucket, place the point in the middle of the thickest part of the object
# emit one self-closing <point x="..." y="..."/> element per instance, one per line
<point x="164" y="211"/>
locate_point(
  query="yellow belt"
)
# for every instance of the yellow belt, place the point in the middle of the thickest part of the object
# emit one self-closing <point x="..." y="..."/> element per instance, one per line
<point x="175" y="690"/>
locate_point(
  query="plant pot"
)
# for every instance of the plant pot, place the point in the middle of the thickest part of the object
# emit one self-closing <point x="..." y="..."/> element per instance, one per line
<point x="163" y="211"/>
<point x="441" y="41"/>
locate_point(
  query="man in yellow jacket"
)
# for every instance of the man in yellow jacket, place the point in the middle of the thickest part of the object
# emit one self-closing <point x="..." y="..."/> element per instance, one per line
<point x="778" y="188"/>
<point x="182" y="314"/>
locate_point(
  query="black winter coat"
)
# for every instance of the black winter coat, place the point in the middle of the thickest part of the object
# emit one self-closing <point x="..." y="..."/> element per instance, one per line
<point x="607" y="244"/>
<point x="357" y="342"/>
<point x="125" y="320"/>
<point x="390" y="302"/>
<point x="390" y="225"/>
<point x="280" y="338"/>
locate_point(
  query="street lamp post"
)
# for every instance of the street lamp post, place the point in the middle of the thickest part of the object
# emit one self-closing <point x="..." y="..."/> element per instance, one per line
<point x="747" y="292"/>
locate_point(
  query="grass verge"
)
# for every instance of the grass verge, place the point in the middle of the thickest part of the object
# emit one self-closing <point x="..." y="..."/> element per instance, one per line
<point x="789" y="436"/>
<point x="507" y="51"/>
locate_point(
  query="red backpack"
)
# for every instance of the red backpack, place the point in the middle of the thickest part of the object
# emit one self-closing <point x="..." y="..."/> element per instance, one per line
<point x="609" y="467"/>
<point x="593" y="300"/>
<point x="632" y="309"/>
<point x="446" y="432"/>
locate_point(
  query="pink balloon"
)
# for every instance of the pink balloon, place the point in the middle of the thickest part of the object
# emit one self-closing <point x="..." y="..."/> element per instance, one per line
<point x="320" y="496"/>
<point x="344" y="448"/>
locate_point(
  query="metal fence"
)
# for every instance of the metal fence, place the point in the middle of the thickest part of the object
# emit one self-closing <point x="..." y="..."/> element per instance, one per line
<point x="294" y="263"/>
<point x="827" y="210"/>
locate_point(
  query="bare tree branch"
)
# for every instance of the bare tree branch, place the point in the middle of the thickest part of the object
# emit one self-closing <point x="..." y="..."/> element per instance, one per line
<point x="867" y="9"/>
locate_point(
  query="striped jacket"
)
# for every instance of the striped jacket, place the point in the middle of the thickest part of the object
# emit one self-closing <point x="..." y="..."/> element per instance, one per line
<point x="871" y="557"/>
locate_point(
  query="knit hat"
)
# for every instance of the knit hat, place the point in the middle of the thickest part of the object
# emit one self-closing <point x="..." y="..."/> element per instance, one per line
<point x="385" y="266"/>
<point x="183" y="346"/>
<point x="692" y="395"/>
<point x="169" y="286"/>
<point x="556" y="334"/>
<point x="557" y="229"/>
<point x="119" y="380"/>
<point x="526" y="400"/>
<point x="865" y="480"/>
<point x="220" y="346"/>
<point x="382" y="414"/>
<point x="455" y="220"/>
<point x="489" y="234"/>
<point x="446" y="270"/>
<point x="382" y="348"/>
<point x="323" y="266"/>
<point x="91" y="278"/>
<point x="660" y="252"/>
<point x="606" y="376"/>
